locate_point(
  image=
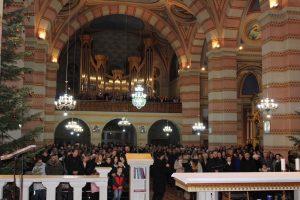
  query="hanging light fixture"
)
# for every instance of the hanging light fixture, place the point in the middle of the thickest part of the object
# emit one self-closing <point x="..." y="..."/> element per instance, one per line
<point x="66" y="101"/>
<point x="266" y="106"/>
<point x="139" y="98"/>
<point x="198" y="128"/>
<point x="167" y="129"/>
<point x="74" y="126"/>
<point x="124" y="122"/>
<point x="71" y="125"/>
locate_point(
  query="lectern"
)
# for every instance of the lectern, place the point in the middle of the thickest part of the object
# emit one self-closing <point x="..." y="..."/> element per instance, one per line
<point x="139" y="175"/>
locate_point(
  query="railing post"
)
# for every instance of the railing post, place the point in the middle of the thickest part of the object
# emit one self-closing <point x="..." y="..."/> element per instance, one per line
<point x="77" y="188"/>
<point x="1" y="188"/>
<point x="51" y="189"/>
<point x="296" y="194"/>
<point x="103" y="173"/>
<point x="25" y="192"/>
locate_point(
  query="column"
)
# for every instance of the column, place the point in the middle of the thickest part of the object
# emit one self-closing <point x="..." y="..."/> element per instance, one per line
<point x="222" y="97"/>
<point x="25" y="192"/>
<point x="102" y="191"/>
<point x="77" y="189"/>
<point x="103" y="173"/>
<point x="281" y="70"/>
<point x="207" y="196"/>
<point x="189" y="83"/>
<point x="35" y="80"/>
<point x="296" y="194"/>
<point x="51" y="189"/>
<point x="49" y="123"/>
<point x="1" y="189"/>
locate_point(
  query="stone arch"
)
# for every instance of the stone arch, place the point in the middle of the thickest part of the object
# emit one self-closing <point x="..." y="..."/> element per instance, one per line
<point x="156" y="135"/>
<point x="232" y="22"/>
<point x="113" y="133"/>
<point x="48" y="12"/>
<point x="62" y="135"/>
<point x="145" y="15"/>
<point x="204" y="17"/>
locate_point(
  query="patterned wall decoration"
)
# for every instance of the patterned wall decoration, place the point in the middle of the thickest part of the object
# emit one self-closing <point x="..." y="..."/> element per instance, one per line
<point x="254" y="31"/>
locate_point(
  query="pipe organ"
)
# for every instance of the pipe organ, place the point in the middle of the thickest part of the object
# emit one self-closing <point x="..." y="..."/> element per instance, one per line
<point x="96" y="77"/>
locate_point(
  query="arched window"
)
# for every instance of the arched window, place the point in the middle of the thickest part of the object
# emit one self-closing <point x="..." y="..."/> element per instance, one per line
<point x="250" y="85"/>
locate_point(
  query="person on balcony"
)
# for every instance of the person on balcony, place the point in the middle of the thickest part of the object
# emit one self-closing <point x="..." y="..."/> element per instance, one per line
<point x="39" y="191"/>
<point x="74" y="164"/>
<point x="54" y="166"/>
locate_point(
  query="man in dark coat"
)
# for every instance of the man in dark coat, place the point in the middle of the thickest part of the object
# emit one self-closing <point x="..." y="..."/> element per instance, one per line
<point x="160" y="169"/>
<point x="229" y="167"/>
<point x="248" y="164"/>
<point x="215" y="164"/>
<point x="75" y="165"/>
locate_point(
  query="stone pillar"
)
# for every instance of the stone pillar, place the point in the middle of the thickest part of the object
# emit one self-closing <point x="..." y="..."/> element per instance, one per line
<point x="222" y="97"/>
<point x="51" y="189"/>
<point x="49" y="124"/>
<point x="77" y="189"/>
<point x="281" y="70"/>
<point x="189" y="84"/>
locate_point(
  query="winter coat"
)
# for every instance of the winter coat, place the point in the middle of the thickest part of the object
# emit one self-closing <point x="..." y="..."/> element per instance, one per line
<point x="54" y="168"/>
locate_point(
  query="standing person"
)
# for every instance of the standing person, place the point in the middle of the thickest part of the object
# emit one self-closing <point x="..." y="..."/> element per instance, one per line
<point x="54" y="166"/>
<point x="118" y="184"/>
<point x="229" y="167"/>
<point x="159" y="177"/>
<point x="75" y="164"/>
<point x="248" y="164"/>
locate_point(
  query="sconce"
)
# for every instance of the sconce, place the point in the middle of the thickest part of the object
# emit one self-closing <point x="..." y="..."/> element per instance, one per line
<point x="54" y="59"/>
<point x="96" y="129"/>
<point x="215" y="44"/>
<point x="274" y="3"/>
<point x="42" y="34"/>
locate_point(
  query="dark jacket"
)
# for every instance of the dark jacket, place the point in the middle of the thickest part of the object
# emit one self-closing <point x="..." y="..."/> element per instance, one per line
<point x="215" y="164"/>
<point x="75" y="164"/>
<point x="54" y="168"/>
<point x="229" y="167"/>
<point x="248" y="165"/>
<point x="159" y="176"/>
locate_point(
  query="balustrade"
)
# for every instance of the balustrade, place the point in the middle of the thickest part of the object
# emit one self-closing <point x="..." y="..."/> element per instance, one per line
<point x="111" y="106"/>
<point x="52" y="182"/>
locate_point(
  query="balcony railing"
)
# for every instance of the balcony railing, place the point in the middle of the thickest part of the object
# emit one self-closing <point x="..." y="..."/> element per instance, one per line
<point x="52" y="182"/>
<point x="120" y="106"/>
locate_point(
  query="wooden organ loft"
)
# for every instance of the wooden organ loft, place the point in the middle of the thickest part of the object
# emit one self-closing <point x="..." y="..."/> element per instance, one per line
<point x="97" y="78"/>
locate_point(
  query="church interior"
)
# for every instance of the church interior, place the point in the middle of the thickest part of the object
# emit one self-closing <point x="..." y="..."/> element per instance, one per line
<point x="219" y="75"/>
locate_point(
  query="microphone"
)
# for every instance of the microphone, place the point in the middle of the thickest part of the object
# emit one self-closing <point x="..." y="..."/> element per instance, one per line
<point x="18" y="152"/>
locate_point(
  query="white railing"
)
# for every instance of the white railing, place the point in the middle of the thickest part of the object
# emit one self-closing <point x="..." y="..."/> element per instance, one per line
<point x="51" y="183"/>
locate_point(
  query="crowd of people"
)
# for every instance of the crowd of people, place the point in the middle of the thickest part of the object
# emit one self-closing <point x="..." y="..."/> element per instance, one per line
<point x="82" y="160"/>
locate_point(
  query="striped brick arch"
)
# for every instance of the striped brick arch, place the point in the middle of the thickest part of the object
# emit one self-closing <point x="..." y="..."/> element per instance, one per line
<point x="49" y="12"/>
<point x="145" y="15"/>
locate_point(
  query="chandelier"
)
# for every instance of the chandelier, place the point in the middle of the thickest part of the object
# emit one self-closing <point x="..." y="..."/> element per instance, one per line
<point x="139" y="98"/>
<point x="65" y="102"/>
<point x="198" y="127"/>
<point x="74" y="126"/>
<point x="124" y="122"/>
<point x="167" y="129"/>
<point x="266" y="106"/>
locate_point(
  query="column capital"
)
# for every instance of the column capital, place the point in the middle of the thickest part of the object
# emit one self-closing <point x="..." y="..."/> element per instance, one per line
<point x="232" y="52"/>
<point x="188" y="72"/>
<point x="52" y="66"/>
